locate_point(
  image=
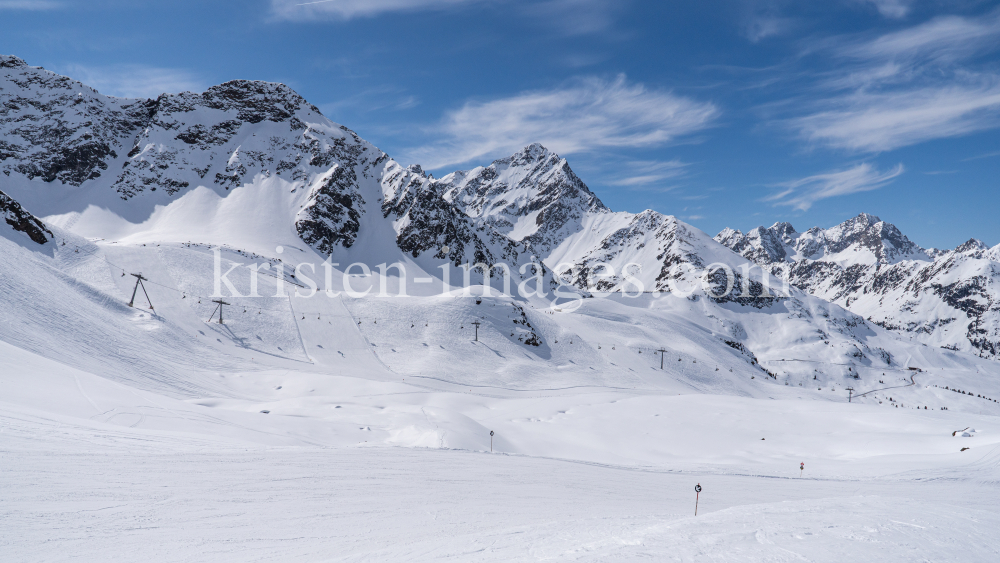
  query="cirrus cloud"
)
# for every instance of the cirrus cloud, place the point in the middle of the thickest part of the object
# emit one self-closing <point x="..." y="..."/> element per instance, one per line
<point x="30" y="5"/>
<point x="586" y="115"/>
<point x="801" y="194"/>
<point x="906" y="87"/>
<point x="350" y="9"/>
<point x="883" y="121"/>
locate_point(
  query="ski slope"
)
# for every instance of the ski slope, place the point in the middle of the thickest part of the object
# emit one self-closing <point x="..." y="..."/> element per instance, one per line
<point x="132" y="434"/>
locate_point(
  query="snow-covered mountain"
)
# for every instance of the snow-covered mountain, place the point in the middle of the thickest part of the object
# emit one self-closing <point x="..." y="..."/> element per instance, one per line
<point x="531" y="196"/>
<point x="943" y="298"/>
<point x="67" y="150"/>
<point x="248" y="167"/>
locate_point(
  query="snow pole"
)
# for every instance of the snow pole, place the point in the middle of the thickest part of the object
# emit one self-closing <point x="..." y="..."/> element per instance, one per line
<point x="697" y="493"/>
<point x="491" y="441"/>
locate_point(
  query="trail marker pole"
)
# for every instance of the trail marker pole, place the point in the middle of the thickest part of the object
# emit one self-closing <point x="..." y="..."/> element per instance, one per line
<point x="477" y="330"/>
<point x="138" y="284"/>
<point x="491" y="441"/>
<point x="850" y="394"/>
<point x="662" y="353"/>
<point x="697" y="493"/>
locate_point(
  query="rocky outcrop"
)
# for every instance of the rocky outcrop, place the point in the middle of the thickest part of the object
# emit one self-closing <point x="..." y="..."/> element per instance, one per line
<point x="16" y="218"/>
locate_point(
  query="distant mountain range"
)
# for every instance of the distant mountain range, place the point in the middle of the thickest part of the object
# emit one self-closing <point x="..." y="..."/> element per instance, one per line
<point x="947" y="298"/>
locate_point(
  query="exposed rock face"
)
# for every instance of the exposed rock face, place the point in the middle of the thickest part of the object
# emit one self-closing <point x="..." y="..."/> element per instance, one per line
<point x="54" y="128"/>
<point x="427" y="222"/>
<point x="20" y="220"/>
<point x="62" y="131"/>
<point x="945" y="298"/>
<point x="531" y="196"/>
<point x="333" y="215"/>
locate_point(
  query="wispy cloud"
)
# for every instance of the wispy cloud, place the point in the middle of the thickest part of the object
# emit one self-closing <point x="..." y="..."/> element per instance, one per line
<point x="30" y="5"/>
<point x="644" y="173"/>
<point x="944" y="38"/>
<point x="350" y="9"/>
<point x="586" y="115"/>
<point x="378" y="99"/>
<point x="803" y="193"/>
<point x="571" y="17"/>
<point x="905" y="87"/>
<point x="986" y="155"/>
<point x="762" y="27"/>
<point x="136" y="81"/>
<point x="894" y="9"/>
<point x="888" y="120"/>
<point x="575" y="17"/>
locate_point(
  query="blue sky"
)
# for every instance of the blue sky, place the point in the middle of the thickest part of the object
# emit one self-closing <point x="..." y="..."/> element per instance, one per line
<point x="731" y="113"/>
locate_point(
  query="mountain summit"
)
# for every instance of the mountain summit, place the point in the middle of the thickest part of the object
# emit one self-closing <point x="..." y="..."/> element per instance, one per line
<point x="532" y="196"/>
<point x="944" y="298"/>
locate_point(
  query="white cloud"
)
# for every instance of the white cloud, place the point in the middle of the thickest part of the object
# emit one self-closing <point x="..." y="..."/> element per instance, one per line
<point x="350" y="9"/>
<point x="888" y="120"/>
<point x="906" y="87"/>
<point x="572" y="17"/>
<point x="29" y="5"/>
<point x="981" y="156"/>
<point x="135" y="81"/>
<point x="803" y="193"/>
<point x="761" y="27"/>
<point x="643" y="173"/>
<point x="894" y="9"/>
<point x="587" y="115"/>
<point x="944" y="39"/>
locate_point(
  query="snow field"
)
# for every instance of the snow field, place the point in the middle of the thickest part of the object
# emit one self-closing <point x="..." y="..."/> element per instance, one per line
<point x="131" y="434"/>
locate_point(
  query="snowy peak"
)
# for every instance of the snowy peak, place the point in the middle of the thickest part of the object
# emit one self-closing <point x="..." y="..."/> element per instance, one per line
<point x="944" y="298"/>
<point x="862" y="239"/>
<point x="426" y="223"/>
<point x="532" y="196"/>
<point x="10" y="61"/>
<point x="864" y="233"/>
<point x="56" y="129"/>
<point x="129" y="156"/>
<point x="762" y="245"/>
<point x="254" y="101"/>
<point x="971" y="246"/>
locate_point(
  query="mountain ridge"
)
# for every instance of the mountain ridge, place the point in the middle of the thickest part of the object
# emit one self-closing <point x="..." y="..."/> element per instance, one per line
<point x="877" y="272"/>
<point x="279" y="168"/>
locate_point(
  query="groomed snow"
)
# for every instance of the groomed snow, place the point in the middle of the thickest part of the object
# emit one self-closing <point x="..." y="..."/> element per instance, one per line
<point x="135" y="435"/>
